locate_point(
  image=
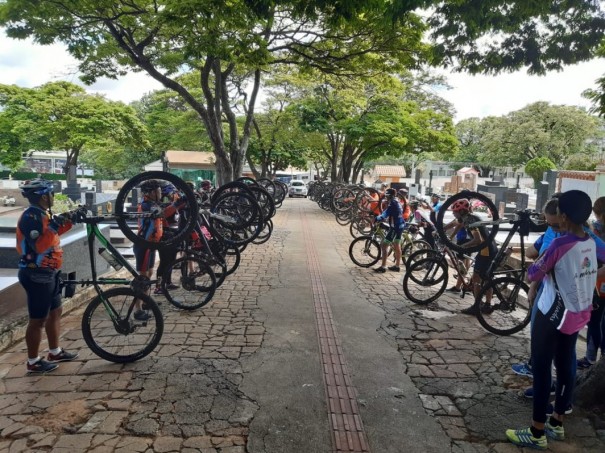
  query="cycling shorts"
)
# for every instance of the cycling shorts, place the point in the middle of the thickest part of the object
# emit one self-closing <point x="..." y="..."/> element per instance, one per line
<point x="145" y="258"/>
<point x="43" y="289"/>
<point x="394" y="235"/>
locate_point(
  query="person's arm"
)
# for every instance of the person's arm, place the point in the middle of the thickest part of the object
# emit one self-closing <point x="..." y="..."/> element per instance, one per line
<point x="475" y="240"/>
<point x="544" y="264"/>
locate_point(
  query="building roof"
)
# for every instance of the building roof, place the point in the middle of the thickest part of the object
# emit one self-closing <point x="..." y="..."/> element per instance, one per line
<point x="190" y="158"/>
<point x="390" y="170"/>
<point x="465" y="170"/>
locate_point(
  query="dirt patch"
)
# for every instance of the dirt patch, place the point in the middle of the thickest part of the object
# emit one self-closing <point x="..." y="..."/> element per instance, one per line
<point x="61" y="416"/>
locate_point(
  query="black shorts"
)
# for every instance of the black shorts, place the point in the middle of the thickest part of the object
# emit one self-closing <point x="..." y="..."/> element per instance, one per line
<point x="144" y="257"/>
<point x="43" y="291"/>
<point x="482" y="264"/>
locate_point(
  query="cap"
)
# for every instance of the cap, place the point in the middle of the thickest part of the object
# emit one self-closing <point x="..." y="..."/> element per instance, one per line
<point x="576" y="205"/>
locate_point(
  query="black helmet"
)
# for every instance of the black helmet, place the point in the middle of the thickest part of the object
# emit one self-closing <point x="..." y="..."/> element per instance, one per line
<point x="150" y="186"/>
<point x="36" y="188"/>
<point x="390" y="192"/>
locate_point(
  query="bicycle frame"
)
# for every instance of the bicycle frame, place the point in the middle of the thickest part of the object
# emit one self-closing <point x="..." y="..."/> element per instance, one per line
<point x="93" y="232"/>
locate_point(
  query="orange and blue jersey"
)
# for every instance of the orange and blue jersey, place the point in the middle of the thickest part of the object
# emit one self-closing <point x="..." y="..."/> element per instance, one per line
<point x="38" y="241"/>
<point x="153" y="229"/>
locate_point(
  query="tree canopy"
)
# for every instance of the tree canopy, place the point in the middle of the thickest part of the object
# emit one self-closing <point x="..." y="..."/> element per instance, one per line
<point x="62" y="116"/>
<point x="230" y="44"/>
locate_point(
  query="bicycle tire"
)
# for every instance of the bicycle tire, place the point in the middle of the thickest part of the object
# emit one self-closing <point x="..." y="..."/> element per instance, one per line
<point x="425" y="280"/>
<point x="512" y="311"/>
<point x="414" y="246"/>
<point x="472" y="197"/>
<point x="136" y="339"/>
<point x="365" y="251"/>
<point x="123" y="216"/>
<point x="422" y="254"/>
<point x="195" y="280"/>
<point x="238" y="210"/>
<point x="265" y="234"/>
<point x="361" y="227"/>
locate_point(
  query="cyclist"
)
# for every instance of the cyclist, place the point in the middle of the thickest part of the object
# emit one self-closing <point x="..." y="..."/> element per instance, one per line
<point x="152" y="229"/>
<point x="464" y="218"/>
<point x="38" y="244"/>
<point x="402" y="194"/>
<point x="423" y="219"/>
<point x="170" y="225"/>
<point x="433" y="206"/>
<point x="393" y="213"/>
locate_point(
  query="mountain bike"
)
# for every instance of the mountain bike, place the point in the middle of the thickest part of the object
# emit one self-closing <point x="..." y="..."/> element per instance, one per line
<point x="365" y="251"/>
<point x="503" y="283"/>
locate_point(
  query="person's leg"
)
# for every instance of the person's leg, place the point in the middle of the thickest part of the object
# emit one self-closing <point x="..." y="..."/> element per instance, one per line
<point x="594" y="337"/>
<point x="543" y="345"/>
<point x="397" y="251"/>
<point x="39" y="288"/>
<point x="566" y="372"/>
<point x="33" y="337"/>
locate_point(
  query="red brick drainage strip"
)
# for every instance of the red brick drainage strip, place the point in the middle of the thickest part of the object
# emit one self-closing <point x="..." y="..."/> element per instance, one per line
<point x="347" y="428"/>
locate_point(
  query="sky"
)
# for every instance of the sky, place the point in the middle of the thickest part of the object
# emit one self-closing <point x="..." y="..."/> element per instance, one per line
<point x="28" y="65"/>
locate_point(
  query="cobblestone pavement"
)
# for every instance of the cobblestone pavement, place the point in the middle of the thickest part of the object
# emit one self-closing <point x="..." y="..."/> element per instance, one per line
<point x="192" y="393"/>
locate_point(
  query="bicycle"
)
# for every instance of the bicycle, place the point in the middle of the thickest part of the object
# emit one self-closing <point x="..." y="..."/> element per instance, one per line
<point x="365" y="251"/>
<point x="512" y="311"/>
<point x="108" y="324"/>
<point x="427" y="274"/>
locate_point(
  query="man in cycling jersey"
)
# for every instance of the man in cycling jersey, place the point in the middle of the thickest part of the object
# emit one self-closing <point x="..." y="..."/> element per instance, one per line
<point x="393" y="214"/>
<point x="39" y="246"/>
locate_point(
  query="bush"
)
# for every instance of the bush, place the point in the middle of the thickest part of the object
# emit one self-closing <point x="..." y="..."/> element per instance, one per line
<point x="25" y="175"/>
<point x="536" y="168"/>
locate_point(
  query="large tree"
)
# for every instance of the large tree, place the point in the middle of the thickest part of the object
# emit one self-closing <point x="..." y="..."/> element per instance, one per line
<point x="62" y="116"/>
<point x="230" y="44"/>
<point x="538" y="130"/>
<point x="364" y="120"/>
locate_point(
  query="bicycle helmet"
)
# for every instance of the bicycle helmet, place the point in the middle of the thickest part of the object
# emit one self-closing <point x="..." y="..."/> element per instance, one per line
<point x="390" y="193"/>
<point x="168" y="189"/>
<point x="36" y="188"/>
<point x="206" y="184"/>
<point x="461" y="205"/>
<point x="402" y="192"/>
<point x="150" y="186"/>
<point x="414" y="204"/>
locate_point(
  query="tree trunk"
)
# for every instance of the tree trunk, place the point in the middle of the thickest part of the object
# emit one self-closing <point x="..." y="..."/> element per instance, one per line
<point x="590" y="387"/>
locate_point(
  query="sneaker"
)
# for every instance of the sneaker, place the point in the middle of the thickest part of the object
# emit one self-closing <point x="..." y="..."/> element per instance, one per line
<point x="394" y="268"/>
<point x="550" y="409"/>
<point x="524" y="438"/>
<point x="529" y="392"/>
<point x="453" y="289"/>
<point x="523" y="369"/>
<point x="41" y="366"/>
<point x="172" y="286"/>
<point x="63" y="356"/>
<point x="472" y="310"/>
<point x="554" y="432"/>
<point x="380" y="270"/>
<point x="141" y="315"/>
<point x="158" y="290"/>
<point x="584" y="363"/>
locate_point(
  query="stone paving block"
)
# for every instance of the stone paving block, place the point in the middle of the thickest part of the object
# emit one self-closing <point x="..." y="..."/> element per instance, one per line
<point x="167" y="444"/>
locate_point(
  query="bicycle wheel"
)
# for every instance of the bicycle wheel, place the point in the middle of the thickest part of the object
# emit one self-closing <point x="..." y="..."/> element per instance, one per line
<point x="425" y="280"/>
<point x="128" y="219"/>
<point x="483" y="208"/>
<point x="195" y="280"/>
<point x="265" y="234"/>
<point x="422" y="254"/>
<point x="364" y="251"/>
<point x="414" y="246"/>
<point x="509" y="311"/>
<point x="111" y="331"/>
<point x="361" y="227"/>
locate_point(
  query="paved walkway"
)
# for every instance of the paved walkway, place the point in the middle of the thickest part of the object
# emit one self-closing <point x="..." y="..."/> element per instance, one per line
<point x="300" y="351"/>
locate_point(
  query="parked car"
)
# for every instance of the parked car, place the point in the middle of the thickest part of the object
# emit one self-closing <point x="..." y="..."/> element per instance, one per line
<point x="297" y="189"/>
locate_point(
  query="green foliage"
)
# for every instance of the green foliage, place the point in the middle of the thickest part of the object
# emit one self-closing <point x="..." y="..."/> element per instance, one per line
<point x="61" y="116"/>
<point x="537" y="166"/>
<point x="537" y="130"/>
<point x="23" y="175"/>
<point x="62" y="203"/>
<point x="581" y="162"/>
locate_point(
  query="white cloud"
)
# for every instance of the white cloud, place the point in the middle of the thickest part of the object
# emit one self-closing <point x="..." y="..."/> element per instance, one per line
<point x="480" y="96"/>
<point x="26" y="64"/>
